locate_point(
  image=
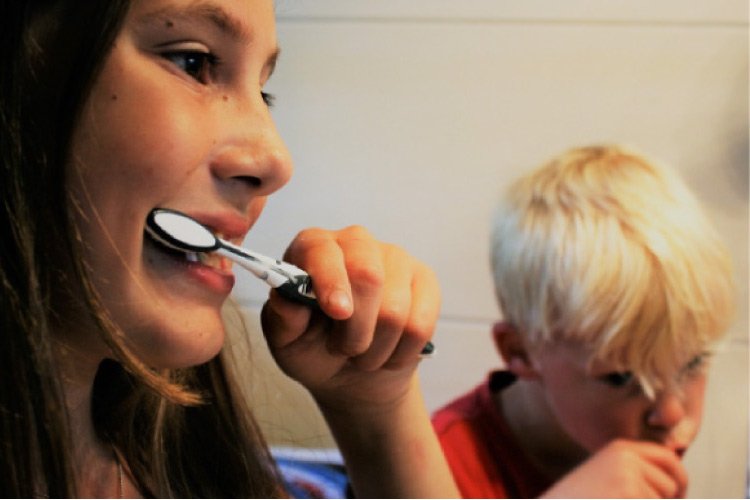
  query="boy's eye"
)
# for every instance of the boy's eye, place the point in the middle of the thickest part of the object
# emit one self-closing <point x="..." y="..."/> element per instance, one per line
<point x="617" y="379"/>
<point x="696" y="363"/>
<point x="195" y="63"/>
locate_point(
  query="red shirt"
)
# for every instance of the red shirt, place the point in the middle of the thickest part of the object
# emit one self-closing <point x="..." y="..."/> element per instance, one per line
<point x="485" y="458"/>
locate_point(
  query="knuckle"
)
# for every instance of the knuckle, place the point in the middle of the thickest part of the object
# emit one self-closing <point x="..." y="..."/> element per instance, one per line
<point x="306" y="239"/>
<point x="356" y="232"/>
<point x="619" y="445"/>
<point x="394" y="253"/>
<point x="352" y="347"/>
<point x="367" y="274"/>
<point x="394" y="250"/>
<point x="420" y="326"/>
<point x="393" y="314"/>
<point x="348" y="343"/>
<point x="429" y="274"/>
<point x="308" y="236"/>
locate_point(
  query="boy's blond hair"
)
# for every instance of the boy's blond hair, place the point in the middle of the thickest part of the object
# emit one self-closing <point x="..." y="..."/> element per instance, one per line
<point x="606" y="249"/>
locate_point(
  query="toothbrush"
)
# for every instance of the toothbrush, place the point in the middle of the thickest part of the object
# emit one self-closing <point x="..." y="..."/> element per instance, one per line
<point x="181" y="232"/>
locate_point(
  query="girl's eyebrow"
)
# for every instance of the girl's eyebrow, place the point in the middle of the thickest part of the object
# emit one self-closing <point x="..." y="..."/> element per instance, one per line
<point x="200" y="11"/>
<point x="203" y="11"/>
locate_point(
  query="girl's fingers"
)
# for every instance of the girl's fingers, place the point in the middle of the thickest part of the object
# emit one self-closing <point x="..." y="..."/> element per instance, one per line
<point x="393" y="310"/>
<point x="385" y="302"/>
<point x="320" y="255"/>
<point x="422" y="318"/>
<point x="283" y="321"/>
<point x="366" y="273"/>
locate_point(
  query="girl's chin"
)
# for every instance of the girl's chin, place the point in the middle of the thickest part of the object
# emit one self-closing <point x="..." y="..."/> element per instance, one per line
<point x="183" y="349"/>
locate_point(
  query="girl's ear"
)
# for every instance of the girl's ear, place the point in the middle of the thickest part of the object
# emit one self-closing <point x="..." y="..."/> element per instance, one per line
<point x="510" y="345"/>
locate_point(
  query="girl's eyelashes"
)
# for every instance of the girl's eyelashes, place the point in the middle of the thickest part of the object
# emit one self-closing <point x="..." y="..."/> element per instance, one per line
<point x="268" y="98"/>
<point x="201" y="66"/>
<point x="197" y="64"/>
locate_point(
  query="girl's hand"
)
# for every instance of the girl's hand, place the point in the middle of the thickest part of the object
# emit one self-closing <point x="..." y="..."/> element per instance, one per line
<point x="358" y="355"/>
<point x="378" y="309"/>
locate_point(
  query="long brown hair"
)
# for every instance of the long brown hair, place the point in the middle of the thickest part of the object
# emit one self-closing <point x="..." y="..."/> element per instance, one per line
<point x="184" y="433"/>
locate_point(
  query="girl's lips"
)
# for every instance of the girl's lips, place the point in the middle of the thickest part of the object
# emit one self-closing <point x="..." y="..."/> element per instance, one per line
<point x="219" y="280"/>
<point x="218" y="277"/>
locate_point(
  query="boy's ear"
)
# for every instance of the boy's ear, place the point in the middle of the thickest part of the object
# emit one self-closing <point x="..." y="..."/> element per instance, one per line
<point x="510" y="345"/>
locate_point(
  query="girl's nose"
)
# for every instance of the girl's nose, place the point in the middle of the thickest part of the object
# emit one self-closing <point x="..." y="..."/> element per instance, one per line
<point x="251" y="154"/>
<point x="667" y="411"/>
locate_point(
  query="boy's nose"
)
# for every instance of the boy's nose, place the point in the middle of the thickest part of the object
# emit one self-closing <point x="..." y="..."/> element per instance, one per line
<point x="667" y="410"/>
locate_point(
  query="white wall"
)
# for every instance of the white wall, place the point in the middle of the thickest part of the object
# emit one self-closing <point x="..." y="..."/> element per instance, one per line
<point x="410" y="117"/>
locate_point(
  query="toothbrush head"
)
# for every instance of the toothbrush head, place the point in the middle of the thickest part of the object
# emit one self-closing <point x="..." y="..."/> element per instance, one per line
<point x="179" y="231"/>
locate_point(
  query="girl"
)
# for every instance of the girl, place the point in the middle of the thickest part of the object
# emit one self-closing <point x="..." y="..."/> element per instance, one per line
<point x="115" y="383"/>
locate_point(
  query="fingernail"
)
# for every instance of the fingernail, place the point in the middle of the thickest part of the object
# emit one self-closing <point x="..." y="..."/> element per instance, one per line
<point x="340" y="299"/>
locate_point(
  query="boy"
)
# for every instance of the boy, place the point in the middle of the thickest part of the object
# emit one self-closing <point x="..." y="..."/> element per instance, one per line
<point x="614" y="291"/>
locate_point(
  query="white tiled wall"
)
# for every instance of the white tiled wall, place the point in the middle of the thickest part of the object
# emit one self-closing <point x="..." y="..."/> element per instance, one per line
<point x="410" y="117"/>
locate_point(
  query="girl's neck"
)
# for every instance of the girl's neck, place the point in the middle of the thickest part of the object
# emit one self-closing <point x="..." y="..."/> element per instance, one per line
<point x="535" y="428"/>
<point x="94" y="460"/>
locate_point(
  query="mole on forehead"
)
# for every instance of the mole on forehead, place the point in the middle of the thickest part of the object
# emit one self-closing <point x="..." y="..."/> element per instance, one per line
<point x="199" y="12"/>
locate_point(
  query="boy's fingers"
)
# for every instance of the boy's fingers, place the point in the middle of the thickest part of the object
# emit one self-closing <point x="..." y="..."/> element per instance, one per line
<point x="662" y="471"/>
<point x="672" y="478"/>
<point x="661" y="484"/>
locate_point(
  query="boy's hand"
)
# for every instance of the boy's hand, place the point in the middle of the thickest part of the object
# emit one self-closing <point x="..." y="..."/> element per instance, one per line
<point x="625" y="469"/>
<point x="379" y="308"/>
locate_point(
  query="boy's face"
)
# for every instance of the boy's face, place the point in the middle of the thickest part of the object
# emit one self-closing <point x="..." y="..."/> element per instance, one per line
<point x="597" y="404"/>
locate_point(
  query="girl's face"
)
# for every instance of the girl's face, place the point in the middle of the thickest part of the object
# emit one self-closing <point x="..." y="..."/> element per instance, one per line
<point x="177" y="119"/>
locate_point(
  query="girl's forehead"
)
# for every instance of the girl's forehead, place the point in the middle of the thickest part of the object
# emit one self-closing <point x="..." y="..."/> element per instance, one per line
<point x="246" y="24"/>
<point x="241" y="19"/>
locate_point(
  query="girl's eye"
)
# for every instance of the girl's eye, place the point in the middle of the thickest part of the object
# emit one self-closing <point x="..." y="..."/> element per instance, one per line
<point x="196" y="64"/>
<point x="617" y="379"/>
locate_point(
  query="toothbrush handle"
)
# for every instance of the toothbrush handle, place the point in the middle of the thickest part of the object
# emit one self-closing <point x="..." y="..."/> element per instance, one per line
<point x="299" y="290"/>
<point x="428" y="350"/>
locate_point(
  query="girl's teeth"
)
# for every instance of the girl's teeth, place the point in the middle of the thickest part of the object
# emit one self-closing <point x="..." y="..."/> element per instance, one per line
<point x="205" y="258"/>
<point x="208" y="259"/>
